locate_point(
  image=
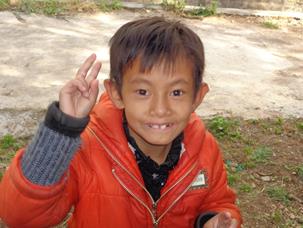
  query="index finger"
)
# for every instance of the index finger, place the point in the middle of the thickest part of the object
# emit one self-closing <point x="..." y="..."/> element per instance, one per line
<point x="82" y="72"/>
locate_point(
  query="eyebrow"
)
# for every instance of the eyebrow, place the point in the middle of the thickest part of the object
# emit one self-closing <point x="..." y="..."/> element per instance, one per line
<point x="145" y="81"/>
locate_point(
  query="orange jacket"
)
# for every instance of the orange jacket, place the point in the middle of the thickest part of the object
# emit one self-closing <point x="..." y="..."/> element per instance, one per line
<point x="106" y="188"/>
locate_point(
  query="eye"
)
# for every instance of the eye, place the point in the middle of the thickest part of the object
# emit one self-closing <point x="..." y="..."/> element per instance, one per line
<point x="177" y="93"/>
<point x="142" y="92"/>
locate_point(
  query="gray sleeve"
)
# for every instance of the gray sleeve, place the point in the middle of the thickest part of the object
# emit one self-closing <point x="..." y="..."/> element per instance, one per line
<point x="48" y="156"/>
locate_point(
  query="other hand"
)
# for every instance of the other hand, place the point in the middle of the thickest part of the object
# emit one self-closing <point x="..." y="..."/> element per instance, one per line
<point x="78" y="96"/>
<point x="221" y="220"/>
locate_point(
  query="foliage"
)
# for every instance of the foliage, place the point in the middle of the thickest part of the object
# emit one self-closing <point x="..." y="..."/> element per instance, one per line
<point x="270" y="25"/>
<point x="8" y="147"/>
<point x="300" y="126"/>
<point x="223" y="127"/>
<point x="278" y="194"/>
<point x="299" y="170"/>
<point x="207" y="11"/>
<point x="261" y="154"/>
<point x="105" y="5"/>
<point x="247" y="188"/>
<point x="174" y="5"/>
<point x="8" y="141"/>
<point x="47" y="7"/>
<point x="4" y="4"/>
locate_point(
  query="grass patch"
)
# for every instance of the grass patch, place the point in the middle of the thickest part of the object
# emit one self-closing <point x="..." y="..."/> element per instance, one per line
<point x="270" y="25"/>
<point x="8" y="147"/>
<point x="105" y="5"/>
<point x="207" y="11"/>
<point x="261" y="155"/>
<point x="300" y="126"/>
<point x="223" y="127"/>
<point x="247" y="188"/>
<point x="277" y="216"/>
<point x="59" y="7"/>
<point x="9" y="142"/>
<point x="47" y="7"/>
<point x="4" y="4"/>
<point x="299" y="171"/>
<point x="257" y="156"/>
<point x="278" y="194"/>
<point x="176" y="6"/>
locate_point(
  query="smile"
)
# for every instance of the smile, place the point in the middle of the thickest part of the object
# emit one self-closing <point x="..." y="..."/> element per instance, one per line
<point x="159" y="126"/>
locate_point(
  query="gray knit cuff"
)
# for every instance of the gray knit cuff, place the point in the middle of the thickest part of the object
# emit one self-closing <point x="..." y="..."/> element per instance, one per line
<point x="48" y="156"/>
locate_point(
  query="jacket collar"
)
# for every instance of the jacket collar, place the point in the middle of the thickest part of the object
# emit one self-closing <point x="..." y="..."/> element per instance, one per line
<point x="107" y="122"/>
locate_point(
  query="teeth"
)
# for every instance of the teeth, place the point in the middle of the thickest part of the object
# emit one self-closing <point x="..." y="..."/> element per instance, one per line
<point x="159" y="126"/>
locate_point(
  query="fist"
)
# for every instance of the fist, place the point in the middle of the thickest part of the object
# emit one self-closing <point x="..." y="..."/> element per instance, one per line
<point x="221" y="220"/>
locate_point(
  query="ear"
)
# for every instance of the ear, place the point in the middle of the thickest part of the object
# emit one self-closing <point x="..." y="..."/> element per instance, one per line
<point x="200" y="95"/>
<point x="113" y="93"/>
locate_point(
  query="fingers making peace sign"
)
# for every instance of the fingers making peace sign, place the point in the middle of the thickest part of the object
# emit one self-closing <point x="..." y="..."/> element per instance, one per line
<point x="78" y="96"/>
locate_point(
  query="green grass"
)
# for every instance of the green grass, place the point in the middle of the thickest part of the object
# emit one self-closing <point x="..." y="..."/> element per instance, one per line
<point x="207" y="11"/>
<point x="4" y="4"/>
<point x="105" y="5"/>
<point x="8" y="147"/>
<point x="270" y="25"/>
<point x="257" y="156"/>
<point x="278" y="194"/>
<point x="300" y="126"/>
<point x="232" y="178"/>
<point x="174" y="5"/>
<point x="8" y="141"/>
<point x="245" y="187"/>
<point x="47" y="7"/>
<point x="277" y="216"/>
<point x="223" y="127"/>
<point x="299" y="170"/>
<point x="261" y="155"/>
<point x="59" y="7"/>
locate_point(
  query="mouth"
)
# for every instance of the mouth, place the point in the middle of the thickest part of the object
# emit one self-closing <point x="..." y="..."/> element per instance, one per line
<point x="160" y="126"/>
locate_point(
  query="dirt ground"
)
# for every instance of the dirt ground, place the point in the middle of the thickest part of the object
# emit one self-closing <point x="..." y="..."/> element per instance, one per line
<point x="252" y="71"/>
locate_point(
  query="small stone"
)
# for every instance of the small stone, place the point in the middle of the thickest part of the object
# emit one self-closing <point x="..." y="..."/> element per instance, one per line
<point x="292" y="216"/>
<point x="266" y="178"/>
<point x="294" y="173"/>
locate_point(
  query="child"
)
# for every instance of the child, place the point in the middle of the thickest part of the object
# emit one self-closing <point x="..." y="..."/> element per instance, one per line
<point x="144" y="158"/>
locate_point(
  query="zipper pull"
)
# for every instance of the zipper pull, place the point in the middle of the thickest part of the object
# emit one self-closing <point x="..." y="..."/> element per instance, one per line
<point x="155" y="224"/>
<point x="155" y="209"/>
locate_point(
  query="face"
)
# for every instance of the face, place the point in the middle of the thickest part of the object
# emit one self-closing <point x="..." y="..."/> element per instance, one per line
<point x="158" y="104"/>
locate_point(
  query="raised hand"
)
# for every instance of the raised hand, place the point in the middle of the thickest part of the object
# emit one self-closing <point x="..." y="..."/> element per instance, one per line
<point x="221" y="220"/>
<point x="78" y="96"/>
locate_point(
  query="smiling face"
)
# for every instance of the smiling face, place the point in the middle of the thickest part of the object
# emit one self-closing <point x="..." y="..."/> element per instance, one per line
<point x="157" y="104"/>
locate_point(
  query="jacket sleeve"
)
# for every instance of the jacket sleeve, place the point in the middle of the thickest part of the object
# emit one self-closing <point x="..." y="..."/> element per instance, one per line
<point x="221" y="198"/>
<point x="24" y="204"/>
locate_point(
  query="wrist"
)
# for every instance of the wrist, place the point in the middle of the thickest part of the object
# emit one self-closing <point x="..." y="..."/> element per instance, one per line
<point x="63" y="123"/>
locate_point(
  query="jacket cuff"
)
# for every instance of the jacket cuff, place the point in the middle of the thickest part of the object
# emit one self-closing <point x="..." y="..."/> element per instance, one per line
<point x="60" y="122"/>
<point x="48" y="156"/>
<point x="203" y="218"/>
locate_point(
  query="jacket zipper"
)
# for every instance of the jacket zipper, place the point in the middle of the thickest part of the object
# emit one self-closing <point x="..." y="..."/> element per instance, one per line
<point x="154" y="204"/>
<point x="152" y="212"/>
<point x="179" y="197"/>
<point x="133" y="195"/>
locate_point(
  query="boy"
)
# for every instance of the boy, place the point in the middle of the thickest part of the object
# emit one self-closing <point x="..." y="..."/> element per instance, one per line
<point x="145" y="159"/>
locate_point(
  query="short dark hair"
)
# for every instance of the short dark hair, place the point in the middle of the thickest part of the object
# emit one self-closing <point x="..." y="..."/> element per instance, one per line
<point x="155" y="40"/>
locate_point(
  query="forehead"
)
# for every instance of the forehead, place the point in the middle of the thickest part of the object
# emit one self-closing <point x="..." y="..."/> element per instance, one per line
<point x="180" y="68"/>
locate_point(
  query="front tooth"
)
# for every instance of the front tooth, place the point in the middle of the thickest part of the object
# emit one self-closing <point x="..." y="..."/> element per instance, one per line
<point x="162" y="126"/>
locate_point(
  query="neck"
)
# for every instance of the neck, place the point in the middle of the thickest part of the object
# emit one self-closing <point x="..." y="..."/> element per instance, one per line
<point x="158" y="153"/>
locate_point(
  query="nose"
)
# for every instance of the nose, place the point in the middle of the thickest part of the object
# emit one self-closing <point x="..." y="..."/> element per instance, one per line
<point x="160" y="106"/>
